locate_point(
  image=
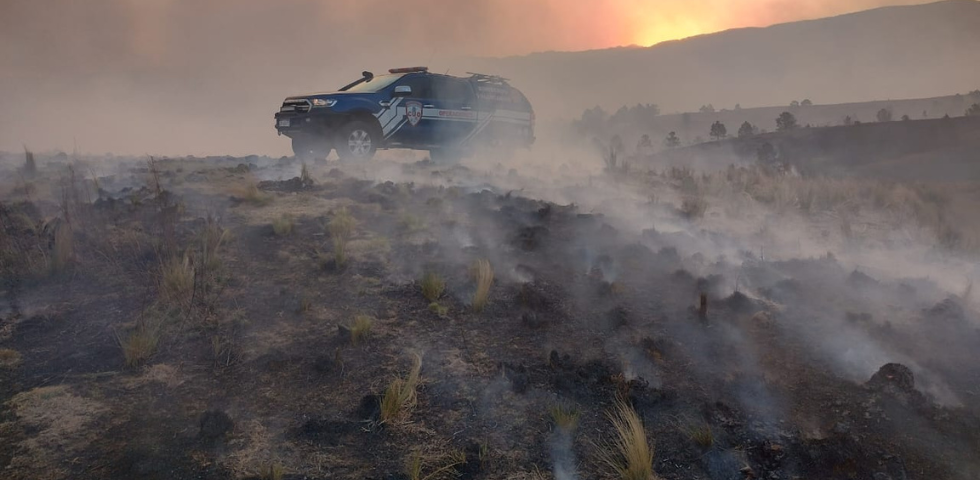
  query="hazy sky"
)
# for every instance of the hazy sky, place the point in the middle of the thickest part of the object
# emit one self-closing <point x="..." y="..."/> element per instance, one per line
<point x="74" y="70"/>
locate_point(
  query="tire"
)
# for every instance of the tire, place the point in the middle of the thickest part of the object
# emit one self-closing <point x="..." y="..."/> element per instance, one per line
<point x="311" y="148"/>
<point x="358" y="140"/>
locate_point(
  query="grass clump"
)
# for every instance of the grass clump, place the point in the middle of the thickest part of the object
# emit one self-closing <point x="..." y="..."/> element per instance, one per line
<point x="284" y="225"/>
<point x="212" y="237"/>
<point x="140" y="343"/>
<point x="701" y="435"/>
<point x="9" y="358"/>
<point x="341" y="228"/>
<point x="438" y="309"/>
<point x="304" y="176"/>
<point x="252" y="195"/>
<point x="483" y="274"/>
<point x="401" y="395"/>
<point x="274" y="471"/>
<point x="565" y="417"/>
<point x="177" y="280"/>
<point x="432" y="286"/>
<point x="360" y="330"/>
<point x="444" y="466"/>
<point x="629" y="455"/>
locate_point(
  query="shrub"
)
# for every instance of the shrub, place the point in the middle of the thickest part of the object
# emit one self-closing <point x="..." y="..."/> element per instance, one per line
<point x="361" y="328"/>
<point x="564" y="416"/>
<point x="304" y="176"/>
<point x="432" y="286"/>
<point x="630" y="456"/>
<point x="694" y="206"/>
<point x="283" y="225"/>
<point x="483" y="273"/>
<point x="141" y="343"/>
<point x="177" y="280"/>
<point x="401" y="395"/>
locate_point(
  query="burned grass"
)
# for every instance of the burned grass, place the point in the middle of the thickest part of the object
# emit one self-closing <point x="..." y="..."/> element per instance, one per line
<point x="618" y="309"/>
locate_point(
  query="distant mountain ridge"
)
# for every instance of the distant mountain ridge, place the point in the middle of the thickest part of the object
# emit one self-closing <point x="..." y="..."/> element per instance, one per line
<point x="891" y="52"/>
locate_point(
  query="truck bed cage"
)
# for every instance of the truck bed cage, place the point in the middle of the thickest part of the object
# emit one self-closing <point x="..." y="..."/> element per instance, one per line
<point x="484" y="78"/>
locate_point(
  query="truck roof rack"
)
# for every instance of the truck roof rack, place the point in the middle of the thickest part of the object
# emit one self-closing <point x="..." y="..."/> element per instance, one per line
<point x="482" y="77"/>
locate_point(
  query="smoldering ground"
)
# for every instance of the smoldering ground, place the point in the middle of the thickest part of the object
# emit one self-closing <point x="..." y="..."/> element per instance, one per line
<point x="595" y="295"/>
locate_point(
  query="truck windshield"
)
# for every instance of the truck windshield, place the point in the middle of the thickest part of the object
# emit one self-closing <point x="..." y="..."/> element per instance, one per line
<point x="374" y="85"/>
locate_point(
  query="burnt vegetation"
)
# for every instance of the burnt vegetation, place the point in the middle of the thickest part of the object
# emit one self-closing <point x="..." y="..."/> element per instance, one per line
<point x="184" y="318"/>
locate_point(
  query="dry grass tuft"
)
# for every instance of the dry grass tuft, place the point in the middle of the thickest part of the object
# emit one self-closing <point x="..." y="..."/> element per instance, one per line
<point x="252" y="195"/>
<point x="401" y="395"/>
<point x="438" y="309"/>
<point x="274" y="471"/>
<point x="432" y="286"/>
<point x="565" y="417"/>
<point x="629" y="455"/>
<point x="360" y="330"/>
<point x="341" y="228"/>
<point x="140" y="343"/>
<point x="283" y="225"/>
<point x="9" y="358"/>
<point x="63" y="254"/>
<point x="444" y="467"/>
<point x="304" y="176"/>
<point x="177" y="281"/>
<point x="701" y="435"/>
<point x="212" y="237"/>
<point x="483" y="273"/>
<point x="30" y="166"/>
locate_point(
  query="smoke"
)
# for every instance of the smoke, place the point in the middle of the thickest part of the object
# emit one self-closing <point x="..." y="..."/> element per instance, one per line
<point x="562" y="455"/>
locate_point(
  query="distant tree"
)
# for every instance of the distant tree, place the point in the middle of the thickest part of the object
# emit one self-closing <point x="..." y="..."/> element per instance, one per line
<point x="905" y="118"/>
<point x="848" y="121"/>
<point x="806" y="103"/>
<point x="766" y="154"/>
<point x="718" y="130"/>
<point x="794" y="104"/>
<point x="617" y="145"/>
<point x="974" y="110"/>
<point x="672" y="141"/>
<point x="738" y="106"/>
<point x="709" y="108"/>
<point x="645" y="146"/>
<point x="746" y="130"/>
<point x="593" y="120"/>
<point x="946" y="117"/>
<point x="884" y="115"/>
<point x="786" y="121"/>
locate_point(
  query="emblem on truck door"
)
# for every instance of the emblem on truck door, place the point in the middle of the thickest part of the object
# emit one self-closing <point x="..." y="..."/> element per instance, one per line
<point x="413" y="111"/>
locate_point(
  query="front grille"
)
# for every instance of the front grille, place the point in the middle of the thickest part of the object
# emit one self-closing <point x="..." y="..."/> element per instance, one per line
<point x="295" y="105"/>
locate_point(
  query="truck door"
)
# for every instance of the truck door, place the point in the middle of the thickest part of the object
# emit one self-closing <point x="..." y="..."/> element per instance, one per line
<point x="412" y="125"/>
<point x="455" y="115"/>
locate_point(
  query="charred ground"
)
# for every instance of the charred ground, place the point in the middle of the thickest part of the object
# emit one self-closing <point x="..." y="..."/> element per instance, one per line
<point x="301" y="303"/>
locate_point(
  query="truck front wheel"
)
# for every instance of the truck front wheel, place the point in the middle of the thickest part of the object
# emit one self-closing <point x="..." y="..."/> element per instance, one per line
<point x="358" y="141"/>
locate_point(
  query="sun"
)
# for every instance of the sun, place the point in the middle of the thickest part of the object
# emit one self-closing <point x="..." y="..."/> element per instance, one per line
<point x="655" y="32"/>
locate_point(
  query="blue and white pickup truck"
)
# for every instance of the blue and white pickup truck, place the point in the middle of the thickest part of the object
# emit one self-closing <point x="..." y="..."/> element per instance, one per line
<point x="408" y="108"/>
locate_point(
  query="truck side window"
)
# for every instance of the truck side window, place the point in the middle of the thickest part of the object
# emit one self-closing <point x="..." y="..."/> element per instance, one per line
<point x="421" y="86"/>
<point x="453" y="90"/>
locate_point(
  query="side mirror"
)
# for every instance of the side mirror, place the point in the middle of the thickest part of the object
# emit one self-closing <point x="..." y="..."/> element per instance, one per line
<point x="403" y="91"/>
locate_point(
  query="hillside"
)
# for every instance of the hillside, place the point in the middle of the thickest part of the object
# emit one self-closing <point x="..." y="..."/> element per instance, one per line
<point x="917" y="150"/>
<point x="892" y="52"/>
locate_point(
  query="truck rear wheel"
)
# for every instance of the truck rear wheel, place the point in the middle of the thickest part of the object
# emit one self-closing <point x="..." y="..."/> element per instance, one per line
<point x="358" y="141"/>
<point x="311" y="148"/>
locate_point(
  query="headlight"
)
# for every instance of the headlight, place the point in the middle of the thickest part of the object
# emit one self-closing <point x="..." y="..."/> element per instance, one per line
<point x="319" y="102"/>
